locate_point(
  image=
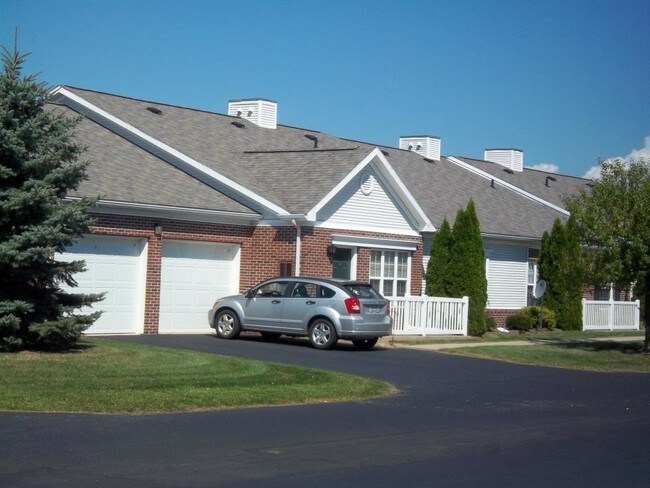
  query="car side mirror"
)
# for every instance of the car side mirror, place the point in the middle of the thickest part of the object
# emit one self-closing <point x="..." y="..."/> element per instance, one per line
<point x="250" y="293"/>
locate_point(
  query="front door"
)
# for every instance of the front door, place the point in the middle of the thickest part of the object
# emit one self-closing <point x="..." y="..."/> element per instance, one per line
<point x="342" y="263"/>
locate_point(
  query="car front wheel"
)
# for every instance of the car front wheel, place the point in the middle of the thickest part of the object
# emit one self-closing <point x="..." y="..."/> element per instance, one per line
<point x="227" y="324"/>
<point x="322" y="334"/>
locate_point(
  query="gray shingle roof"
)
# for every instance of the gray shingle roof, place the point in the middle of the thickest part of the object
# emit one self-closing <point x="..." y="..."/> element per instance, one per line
<point x="552" y="187"/>
<point x="282" y="166"/>
<point x="122" y="172"/>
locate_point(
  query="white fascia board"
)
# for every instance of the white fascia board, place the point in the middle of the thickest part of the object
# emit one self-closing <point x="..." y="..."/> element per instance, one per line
<point x="501" y="237"/>
<point x="505" y="184"/>
<point x="375" y="229"/>
<point x="171" y="151"/>
<point x="375" y="243"/>
<point x="393" y="181"/>
<point x="174" y="213"/>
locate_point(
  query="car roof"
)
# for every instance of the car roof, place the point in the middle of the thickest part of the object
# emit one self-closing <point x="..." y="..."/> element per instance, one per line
<point x="331" y="281"/>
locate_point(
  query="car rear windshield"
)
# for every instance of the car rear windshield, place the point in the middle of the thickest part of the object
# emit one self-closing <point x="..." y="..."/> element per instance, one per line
<point x="362" y="291"/>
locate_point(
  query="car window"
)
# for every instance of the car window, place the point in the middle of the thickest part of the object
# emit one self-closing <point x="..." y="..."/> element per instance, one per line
<point x="273" y="289"/>
<point x="363" y="291"/>
<point x="304" y="290"/>
<point x="326" y="292"/>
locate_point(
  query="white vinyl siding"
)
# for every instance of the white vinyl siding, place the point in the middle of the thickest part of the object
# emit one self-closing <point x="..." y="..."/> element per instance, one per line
<point x="507" y="275"/>
<point x="365" y="204"/>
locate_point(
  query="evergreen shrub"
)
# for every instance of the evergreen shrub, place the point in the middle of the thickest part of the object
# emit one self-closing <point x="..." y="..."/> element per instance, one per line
<point x="548" y="316"/>
<point x="519" y="322"/>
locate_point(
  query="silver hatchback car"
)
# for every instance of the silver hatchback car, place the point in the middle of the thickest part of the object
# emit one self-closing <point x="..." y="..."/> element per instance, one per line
<point x="324" y="310"/>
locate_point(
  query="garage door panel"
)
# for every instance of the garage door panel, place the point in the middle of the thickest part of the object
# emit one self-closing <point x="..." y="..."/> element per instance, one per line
<point x="193" y="274"/>
<point x="114" y="267"/>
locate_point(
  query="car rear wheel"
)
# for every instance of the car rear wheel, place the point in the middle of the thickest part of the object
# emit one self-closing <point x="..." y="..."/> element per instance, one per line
<point x="227" y="324"/>
<point x="322" y="334"/>
<point x="365" y="344"/>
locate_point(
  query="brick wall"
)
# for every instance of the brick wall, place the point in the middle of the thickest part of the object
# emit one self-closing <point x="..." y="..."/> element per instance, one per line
<point x="262" y="249"/>
<point x="501" y="315"/>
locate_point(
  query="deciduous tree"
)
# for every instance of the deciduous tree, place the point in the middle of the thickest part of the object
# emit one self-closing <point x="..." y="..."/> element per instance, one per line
<point x="613" y="219"/>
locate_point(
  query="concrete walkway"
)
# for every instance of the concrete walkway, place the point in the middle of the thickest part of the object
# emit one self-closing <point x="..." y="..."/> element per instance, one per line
<point x="389" y="342"/>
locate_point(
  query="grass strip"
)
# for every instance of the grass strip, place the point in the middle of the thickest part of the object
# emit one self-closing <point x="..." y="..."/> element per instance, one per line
<point x="119" y="378"/>
<point x="584" y="355"/>
<point x="556" y="334"/>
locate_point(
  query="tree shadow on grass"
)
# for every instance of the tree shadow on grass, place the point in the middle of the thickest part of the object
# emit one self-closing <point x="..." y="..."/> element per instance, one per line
<point x="632" y="347"/>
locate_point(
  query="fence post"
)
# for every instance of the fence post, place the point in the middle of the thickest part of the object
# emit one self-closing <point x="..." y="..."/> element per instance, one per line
<point x="584" y="314"/>
<point x="465" y="315"/>
<point x="611" y="313"/>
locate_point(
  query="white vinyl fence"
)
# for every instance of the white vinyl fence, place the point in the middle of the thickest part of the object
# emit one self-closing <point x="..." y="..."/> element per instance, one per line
<point x="610" y="315"/>
<point x="429" y="315"/>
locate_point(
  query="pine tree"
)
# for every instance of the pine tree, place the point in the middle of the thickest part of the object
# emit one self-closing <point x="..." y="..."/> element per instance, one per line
<point x="467" y="267"/>
<point x="560" y="265"/>
<point x="38" y="164"/>
<point x="437" y="272"/>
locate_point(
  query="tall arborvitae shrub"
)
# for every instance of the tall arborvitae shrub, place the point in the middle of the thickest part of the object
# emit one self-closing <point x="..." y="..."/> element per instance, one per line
<point x="573" y="278"/>
<point x="560" y="265"/>
<point x="38" y="164"/>
<point x="437" y="268"/>
<point x="467" y="267"/>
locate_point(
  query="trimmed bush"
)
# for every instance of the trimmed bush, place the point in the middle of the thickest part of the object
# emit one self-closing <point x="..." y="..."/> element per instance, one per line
<point x="491" y="322"/>
<point x="519" y="322"/>
<point x="548" y="316"/>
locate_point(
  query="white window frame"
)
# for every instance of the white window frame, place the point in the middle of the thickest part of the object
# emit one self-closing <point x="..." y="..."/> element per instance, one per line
<point x="382" y="279"/>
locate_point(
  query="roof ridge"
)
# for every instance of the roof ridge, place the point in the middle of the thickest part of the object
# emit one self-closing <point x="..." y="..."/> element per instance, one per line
<point x="526" y="168"/>
<point x="302" y="150"/>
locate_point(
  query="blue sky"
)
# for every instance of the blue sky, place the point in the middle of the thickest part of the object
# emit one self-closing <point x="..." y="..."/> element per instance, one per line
<point x="567" y="82"/>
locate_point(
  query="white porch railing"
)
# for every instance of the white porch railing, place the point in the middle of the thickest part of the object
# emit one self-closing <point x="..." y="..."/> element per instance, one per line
<point x="610" y="315"/>
<point x="429" y="315"/>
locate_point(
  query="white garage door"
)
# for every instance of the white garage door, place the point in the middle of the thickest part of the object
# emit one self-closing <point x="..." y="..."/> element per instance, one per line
<point x="115" y="265"/>
<point x="193" y="275"/>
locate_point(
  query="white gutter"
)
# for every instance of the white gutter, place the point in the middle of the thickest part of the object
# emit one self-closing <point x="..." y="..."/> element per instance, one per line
<point x="130" y="208"/>
<point x="505" y="184"/>
<point x="171" y="151"/>
<point x="298" y="246"/>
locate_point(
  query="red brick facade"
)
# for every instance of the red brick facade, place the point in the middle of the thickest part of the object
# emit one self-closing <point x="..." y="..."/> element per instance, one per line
<point x="262" y="250"/>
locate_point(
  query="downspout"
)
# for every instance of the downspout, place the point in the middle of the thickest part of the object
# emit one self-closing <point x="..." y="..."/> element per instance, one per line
<point x="298" y="245"/>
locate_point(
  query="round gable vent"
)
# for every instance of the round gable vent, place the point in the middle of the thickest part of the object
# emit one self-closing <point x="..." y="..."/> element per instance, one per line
<point x="366" y="183"/>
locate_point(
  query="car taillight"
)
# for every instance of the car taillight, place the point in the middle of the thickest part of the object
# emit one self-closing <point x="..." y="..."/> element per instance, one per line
<point x="387" y="307"/>
<point x="353" y="305"/>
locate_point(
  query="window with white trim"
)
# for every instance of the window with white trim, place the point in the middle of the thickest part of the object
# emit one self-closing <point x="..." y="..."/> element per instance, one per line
<point x="389" y="272"/>
<point x="532" y="279"/>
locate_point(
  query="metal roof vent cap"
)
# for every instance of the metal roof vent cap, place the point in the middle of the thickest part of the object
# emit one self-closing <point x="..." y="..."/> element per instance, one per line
<point x="260" y="111"/>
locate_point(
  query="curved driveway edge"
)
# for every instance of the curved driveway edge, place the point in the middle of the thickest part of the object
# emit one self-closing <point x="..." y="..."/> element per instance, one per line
<point x="458" y="422"/>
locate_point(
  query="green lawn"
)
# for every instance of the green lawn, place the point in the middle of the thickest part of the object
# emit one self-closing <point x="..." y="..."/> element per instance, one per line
<point x="556" y="334"/>
<point x="574" y="354"/>
<point x="113" y="377"/>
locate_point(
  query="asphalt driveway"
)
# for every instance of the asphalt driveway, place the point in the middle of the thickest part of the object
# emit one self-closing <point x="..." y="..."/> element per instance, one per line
<point x="457" y="422"/>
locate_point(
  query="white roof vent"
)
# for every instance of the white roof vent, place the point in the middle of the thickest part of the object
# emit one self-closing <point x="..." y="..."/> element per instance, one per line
<point x="258" y="110"/>
<point x="427" y="146"/>
<point x="510" y="158"/>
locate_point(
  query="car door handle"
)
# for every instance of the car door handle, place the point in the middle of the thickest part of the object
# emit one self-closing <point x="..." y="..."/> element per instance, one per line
<point x="310" y="302"/>
<point x="276" y="301"/>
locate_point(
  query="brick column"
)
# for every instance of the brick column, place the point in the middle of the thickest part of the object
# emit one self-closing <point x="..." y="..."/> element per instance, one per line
<point x="152" y="291"/>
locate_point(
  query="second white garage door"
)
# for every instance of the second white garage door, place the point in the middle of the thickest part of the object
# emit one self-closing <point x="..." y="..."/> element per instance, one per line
<point x="193" y="275"/>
